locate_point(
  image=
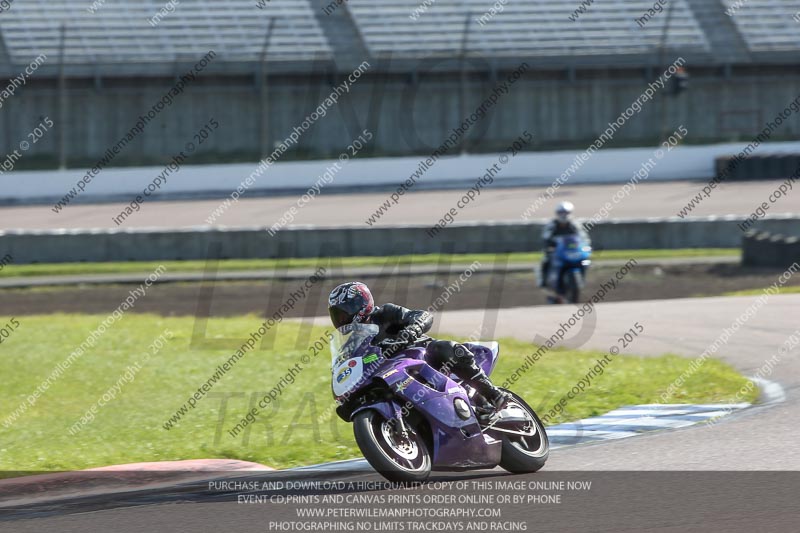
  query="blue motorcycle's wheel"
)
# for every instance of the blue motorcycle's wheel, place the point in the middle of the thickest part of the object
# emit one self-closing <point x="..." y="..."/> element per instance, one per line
<point x="397" y="458"/>
<point x="572" y="286"/>
<point x="529" y="451"/>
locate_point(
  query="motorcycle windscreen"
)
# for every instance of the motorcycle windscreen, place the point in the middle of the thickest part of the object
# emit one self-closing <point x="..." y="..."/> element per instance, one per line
<point x="348" y="339"/>
<point x="572" y="248"/>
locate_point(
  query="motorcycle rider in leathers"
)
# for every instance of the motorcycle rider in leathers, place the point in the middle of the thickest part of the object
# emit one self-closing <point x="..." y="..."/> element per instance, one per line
<point x="561" y="225"/>
<point x="400" y="327"/>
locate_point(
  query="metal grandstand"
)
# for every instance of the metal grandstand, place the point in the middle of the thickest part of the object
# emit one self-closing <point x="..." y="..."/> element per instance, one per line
<point x="768" y="25"/>
<point x="119" y="32"/>
<point x="533" y="27"/>
<point x="115" y="36"/>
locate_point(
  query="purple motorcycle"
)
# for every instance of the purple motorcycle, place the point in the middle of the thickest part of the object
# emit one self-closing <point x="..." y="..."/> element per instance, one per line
<point x="410" y="419"/>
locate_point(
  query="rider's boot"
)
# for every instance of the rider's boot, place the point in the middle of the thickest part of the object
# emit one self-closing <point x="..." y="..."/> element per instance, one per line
<point x="471" y="374"/>
<point x="497" y="398"/>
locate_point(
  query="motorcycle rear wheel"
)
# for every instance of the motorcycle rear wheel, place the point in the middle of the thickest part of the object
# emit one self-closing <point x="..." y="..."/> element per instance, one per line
<point x="394" y="457"/>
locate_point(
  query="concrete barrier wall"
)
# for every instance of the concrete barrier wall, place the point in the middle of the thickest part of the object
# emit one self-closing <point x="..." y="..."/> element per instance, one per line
<point x="405" y="117"/>
<point x="407" y="114"/>
<point x="248" y="243"/>
<point x="535" y="169"/>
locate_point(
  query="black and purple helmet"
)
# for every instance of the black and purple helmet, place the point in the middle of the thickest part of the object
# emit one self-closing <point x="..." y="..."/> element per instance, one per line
<point x="348" y="302"/>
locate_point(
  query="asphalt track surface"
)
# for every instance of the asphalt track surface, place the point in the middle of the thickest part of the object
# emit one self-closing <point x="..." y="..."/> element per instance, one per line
<point x="687" y="491"/>
<point x="759" y="439"/>
<point x="656" y="199"/>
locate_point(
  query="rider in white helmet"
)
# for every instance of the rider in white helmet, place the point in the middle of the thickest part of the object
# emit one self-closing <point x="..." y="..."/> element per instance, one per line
<point x="561" y="225"/>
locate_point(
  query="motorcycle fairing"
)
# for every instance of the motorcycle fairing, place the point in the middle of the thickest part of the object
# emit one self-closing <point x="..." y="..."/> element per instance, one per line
<point x="486" y="354"/>
<point x="457" y="443"/>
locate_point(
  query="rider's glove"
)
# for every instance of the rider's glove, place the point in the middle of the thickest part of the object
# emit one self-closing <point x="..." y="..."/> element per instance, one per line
<point x="400" y="342"/>
<point x="410" y="333"/>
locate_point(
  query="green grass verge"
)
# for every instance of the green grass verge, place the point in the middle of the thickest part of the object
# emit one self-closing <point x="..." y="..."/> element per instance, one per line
<point x="129" y="428"/>
<point x="756" y="292"/>
<point x="146" y="267"/>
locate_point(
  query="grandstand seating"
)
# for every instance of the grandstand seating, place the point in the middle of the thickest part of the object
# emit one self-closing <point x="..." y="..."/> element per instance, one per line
<point x="532" y="27"/>
<point x="767" y="25"/>
<point x="119" y="31"/>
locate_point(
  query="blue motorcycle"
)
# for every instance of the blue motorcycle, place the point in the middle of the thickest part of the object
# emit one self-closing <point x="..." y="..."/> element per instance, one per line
<point x="567" y="274"/>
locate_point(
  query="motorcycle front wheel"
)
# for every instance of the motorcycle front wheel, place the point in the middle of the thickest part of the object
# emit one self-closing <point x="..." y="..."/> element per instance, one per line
<point x="396" y="457"/>
<point x="572" y="286"/>
<point x="528" y="451"/>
